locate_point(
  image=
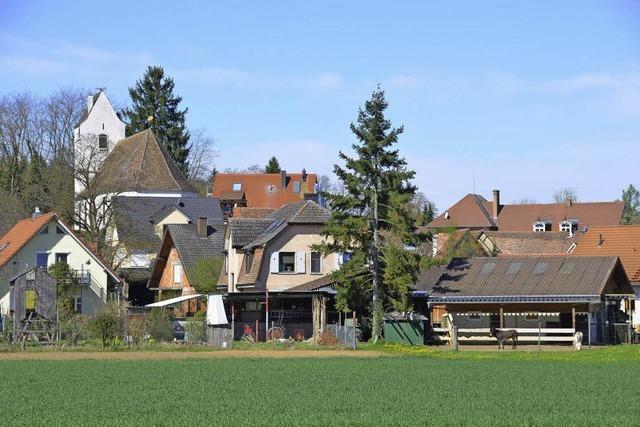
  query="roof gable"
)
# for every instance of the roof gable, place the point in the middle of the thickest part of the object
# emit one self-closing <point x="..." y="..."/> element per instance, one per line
<point x="472" y="211"/>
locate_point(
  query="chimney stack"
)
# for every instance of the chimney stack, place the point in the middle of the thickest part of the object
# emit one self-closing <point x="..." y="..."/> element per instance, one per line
<point x="201" y="227"/>
<point x="36" y="213"/>
<point x="496" y="203"/>
<point x="89" y="103"/>
<point x="283" y="179"/>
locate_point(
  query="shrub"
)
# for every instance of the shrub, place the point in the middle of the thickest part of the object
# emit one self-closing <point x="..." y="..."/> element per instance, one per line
<point x="137" y="330"/>
<point x="75" y="327"/>
<point x="107" y="324"/>
<point x="328" y="338"/>
<point x="195" y="328"/>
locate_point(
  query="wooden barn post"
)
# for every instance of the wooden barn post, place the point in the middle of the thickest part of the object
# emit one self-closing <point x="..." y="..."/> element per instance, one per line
<point x="501" y="317"/>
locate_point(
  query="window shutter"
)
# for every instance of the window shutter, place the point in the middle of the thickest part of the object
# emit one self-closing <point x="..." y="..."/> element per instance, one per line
<point x="339" y="259"/>
<point x="273" y="263"/>
<point x="301" y="262"/>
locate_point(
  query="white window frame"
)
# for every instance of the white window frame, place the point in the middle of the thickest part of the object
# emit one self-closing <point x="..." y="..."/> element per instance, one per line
<point x="568" y="227"/>
<point x="236" y="186"/>
<point x="177" y="268"/>
<point x="77" y="303"/>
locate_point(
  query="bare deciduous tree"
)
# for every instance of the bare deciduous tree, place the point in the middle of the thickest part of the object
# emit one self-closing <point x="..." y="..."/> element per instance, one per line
<point x="566" y="195"/>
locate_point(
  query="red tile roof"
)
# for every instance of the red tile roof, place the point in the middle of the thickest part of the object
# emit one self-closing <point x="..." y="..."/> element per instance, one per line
<point x="475" y="212"/>
<point x="622" y="241"/>
<point x="20" y="234"/>
<point x="263" y="190"/>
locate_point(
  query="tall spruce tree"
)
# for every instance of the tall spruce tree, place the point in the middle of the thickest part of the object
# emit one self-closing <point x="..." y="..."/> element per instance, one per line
<point x="371" y="220"/>
<point x="273" y="166"/>
<point x="155" y="106"/>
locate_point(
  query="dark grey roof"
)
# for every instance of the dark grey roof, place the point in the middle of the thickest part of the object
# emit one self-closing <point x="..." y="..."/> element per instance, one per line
<point x="485" y="278"/>
<point x="136" y="217"/>
<point x="429" y="277"/>
<point x="324" y="283"/>
<point x="303" y="212"/>
<point x="246" y="230"/>
<point x="192" y="248"/>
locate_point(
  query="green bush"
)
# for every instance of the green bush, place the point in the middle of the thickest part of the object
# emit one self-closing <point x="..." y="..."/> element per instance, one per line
<point x="107" y="324"/>
<point x="195" y="328"/>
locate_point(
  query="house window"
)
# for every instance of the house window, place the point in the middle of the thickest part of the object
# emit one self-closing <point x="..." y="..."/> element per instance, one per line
<point x="139" y="260"/>
<point x="177" y="273"/>
<point x="316" y="263"/>
<point x="45" y="229"/>
<point x="77" y="304"/>
<point x="103" y="142"/>
<point x="59" y="230"/>
<point x="296" y="186"/>
<point x="226" y="264"/>
<point x="541" y="226"/>
<point x="287" y="262"/>
<point x="61" y="257"/>
<point x="248" y="261"/>
<point x="569" y="227"/>
<point x="42" y="259"/>
<point x="236" y="186"/>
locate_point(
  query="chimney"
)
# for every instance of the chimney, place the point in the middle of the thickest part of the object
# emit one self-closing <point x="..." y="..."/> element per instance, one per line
<point x="89" y="103"/>
<point x="496" y="203"/>
<point x="36" y="213"/>
<point x="201" y="227"/>
<point x="304" y="175"/>
<point x="283" y="179"/>
<point x="600" y="240"/>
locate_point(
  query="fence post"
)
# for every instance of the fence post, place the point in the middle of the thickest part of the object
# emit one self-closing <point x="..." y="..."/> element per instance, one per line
<point x="354" y="330"/>
<point x="589" y="327"/>
<point x="539" y="330"/>
<point x="273" y="341"/>
<point x="454" y="330"/>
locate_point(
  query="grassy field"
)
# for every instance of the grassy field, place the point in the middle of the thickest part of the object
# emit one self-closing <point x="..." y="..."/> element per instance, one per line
<point x="397" y="387"/>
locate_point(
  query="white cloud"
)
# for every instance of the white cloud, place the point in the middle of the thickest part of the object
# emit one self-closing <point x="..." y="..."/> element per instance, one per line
<point x="404" y="81"/>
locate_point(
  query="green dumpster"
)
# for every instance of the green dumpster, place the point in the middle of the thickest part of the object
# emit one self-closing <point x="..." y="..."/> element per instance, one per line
<point x="404" y="329"/>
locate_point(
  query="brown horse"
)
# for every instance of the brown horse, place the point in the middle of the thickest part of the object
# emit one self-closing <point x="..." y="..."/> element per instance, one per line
<point x="502" y="336"/>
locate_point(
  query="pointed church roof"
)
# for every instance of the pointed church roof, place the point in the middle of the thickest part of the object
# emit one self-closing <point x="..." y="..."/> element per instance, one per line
<point x="141" y="163"/>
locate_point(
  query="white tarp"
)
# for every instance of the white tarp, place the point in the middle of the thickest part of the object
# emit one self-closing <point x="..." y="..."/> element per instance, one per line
<point x="215" y="311"/>
<point x="173" y="300"/>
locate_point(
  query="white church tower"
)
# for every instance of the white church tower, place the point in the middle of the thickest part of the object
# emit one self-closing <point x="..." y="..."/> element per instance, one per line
<point x="97" y="132"/>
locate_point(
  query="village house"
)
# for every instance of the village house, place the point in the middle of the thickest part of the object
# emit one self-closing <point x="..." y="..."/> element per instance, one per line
<point x="510" y="226"/>
<point x="44" y="240"/>
<point x="262" y="191"/>
<point x="581" y="294"/>
<point x="189" y="261"/>
<point x="622" y="241"/>
<point x="268" y="260"/>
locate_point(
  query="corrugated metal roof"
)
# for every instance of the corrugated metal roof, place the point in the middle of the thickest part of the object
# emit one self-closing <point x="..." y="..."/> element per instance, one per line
<point x="531" y="277"/>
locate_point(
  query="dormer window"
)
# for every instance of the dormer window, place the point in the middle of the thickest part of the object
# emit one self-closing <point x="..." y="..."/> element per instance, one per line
<point x="541" y="226"/>
<point x="569" y="227"/>
<point x="103" y="142"/>
<point x="236" y="186"/>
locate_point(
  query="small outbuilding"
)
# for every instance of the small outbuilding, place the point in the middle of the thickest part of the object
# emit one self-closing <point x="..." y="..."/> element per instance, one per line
<point x="33" y="304"/>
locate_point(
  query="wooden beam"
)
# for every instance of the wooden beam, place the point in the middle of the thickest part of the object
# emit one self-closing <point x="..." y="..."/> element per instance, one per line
<point x="573" y="317"/>
<point x="501" y="317"/>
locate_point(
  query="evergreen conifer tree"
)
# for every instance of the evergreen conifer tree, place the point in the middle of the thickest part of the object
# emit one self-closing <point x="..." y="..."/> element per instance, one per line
<point x="273" y="166"/>
<point x="371" y="220"/>
<point x="155" y="106"/>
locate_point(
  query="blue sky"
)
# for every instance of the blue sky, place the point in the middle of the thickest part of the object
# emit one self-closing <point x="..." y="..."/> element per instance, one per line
<point x="527" y="97"/>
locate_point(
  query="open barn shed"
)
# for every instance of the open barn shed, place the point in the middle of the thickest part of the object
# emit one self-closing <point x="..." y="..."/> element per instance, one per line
<point x="33" y="305"/>
<point x="590" y="295"/>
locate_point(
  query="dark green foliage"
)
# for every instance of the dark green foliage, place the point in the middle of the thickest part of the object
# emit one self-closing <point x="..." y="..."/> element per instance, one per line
<point x="155" y="106"/>
<point x="207" y="273"/>
<point x="375" y="179"/>
<point x="474" y="388"/>
<point x="273" y="166"/>
<point x="631" y="199"/>
<point x="107" y="324"/>
<point x="428" y="213"/>
<point x="195" y="328"/>
<point x="66" y="287"/>
<point x="159" y="325"/>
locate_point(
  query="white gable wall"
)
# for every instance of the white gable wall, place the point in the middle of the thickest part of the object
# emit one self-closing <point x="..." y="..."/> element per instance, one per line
<point x="93" y="295"/>
<point x="102" y="119"/>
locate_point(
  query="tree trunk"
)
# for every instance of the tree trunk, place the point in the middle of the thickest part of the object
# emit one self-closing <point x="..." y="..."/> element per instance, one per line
<point x="376" y="329"/>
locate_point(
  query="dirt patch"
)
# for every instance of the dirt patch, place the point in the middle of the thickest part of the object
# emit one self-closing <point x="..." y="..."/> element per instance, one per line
<point x="180" y="355"/>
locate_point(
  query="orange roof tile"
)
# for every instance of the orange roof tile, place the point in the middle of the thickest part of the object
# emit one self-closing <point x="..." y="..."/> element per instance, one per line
<point x="263" y="190"/>
<point x="622" y="241"/>
<point x="20" y="234"/>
